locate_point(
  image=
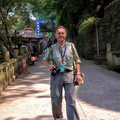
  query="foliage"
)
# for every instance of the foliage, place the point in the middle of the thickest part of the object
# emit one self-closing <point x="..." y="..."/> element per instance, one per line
<point x="14" y="15"/>
<point x="43" y="9"/>
<point x="66" y="13"/>
<point x="111" y="4"/>
<point x="86" y="24"/>
<point x="77" y="16"/>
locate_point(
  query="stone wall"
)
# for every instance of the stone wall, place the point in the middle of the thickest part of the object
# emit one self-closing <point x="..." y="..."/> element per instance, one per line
<point x="11" y="68"/>
<point x="109" y="35"/>
<point x="113" y="60"/>
<point x="112" y="34"/>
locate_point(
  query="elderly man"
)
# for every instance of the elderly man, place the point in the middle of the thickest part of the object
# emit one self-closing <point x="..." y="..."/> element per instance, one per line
<point x="62" y="54"/>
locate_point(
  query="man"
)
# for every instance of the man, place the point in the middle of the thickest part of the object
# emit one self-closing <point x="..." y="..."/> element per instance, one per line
<point x="62" y="55"/>
<point x="49" y="42"/>
<point x="30" y="47"/>
<point x="33" y="51"/>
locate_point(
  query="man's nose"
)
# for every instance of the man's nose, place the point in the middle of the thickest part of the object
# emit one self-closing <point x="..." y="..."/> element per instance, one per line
<point x="61" y="34"/>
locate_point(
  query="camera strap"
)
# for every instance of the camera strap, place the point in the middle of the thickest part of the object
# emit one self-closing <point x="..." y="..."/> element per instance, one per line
<point x="51" y="53"/>
<point x="61" y="67"/>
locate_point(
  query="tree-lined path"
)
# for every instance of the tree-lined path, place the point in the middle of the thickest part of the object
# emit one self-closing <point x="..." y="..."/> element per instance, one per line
<point x="27" y="98"/>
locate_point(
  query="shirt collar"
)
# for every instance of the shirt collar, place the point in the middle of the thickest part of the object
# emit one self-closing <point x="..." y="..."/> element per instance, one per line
<point x="61" y="45"/>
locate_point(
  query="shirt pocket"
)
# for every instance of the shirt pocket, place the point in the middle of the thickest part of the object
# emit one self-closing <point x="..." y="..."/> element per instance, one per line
<point x="57" y="57"/>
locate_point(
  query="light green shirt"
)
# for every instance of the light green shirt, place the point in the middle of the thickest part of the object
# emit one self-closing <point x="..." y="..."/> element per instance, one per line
<point x="53" y="54"/>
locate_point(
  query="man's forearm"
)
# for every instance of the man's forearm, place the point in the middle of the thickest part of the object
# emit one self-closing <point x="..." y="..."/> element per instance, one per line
<point x="77" y="68"/>
<point x="46" y="63"/>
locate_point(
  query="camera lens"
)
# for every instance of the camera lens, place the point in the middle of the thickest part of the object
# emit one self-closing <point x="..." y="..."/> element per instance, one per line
<point x="55" y="71"/>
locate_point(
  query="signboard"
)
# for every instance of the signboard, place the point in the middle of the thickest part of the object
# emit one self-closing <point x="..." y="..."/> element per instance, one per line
<point x="38" y="25"/>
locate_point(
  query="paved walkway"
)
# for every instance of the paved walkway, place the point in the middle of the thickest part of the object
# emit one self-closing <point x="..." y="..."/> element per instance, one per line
<point x="27" y="98"/>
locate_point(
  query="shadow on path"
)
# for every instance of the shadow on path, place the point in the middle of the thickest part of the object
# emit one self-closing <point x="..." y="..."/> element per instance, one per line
<point x="25" y="86"/>
<point x="101" y="88"/>
<point x="44" y="117"/>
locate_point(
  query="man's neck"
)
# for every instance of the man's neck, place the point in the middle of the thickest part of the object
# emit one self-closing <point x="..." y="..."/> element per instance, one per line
<point x="62" y="43"/>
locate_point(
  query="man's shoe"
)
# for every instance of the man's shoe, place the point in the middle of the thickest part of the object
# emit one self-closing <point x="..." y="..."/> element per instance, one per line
<point x="59" y="119"/>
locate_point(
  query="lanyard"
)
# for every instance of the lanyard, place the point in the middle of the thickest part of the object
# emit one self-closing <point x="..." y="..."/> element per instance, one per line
<point x="62" y="53"/>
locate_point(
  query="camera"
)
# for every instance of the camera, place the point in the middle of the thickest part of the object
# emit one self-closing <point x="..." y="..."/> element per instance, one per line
<point x="55" y="71"/>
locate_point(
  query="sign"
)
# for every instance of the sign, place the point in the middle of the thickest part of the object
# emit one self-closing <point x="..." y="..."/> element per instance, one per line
<point x="38" y="25"/>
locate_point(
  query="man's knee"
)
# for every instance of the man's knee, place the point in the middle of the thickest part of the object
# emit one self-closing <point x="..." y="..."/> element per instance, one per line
<point x="70" y="99"/>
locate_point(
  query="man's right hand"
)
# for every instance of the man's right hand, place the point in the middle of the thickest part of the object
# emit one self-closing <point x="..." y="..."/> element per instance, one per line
<point x="51" y="67"/>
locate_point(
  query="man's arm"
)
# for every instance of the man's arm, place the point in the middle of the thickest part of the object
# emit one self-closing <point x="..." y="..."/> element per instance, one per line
<point x="77" y="68"/>
<point x="78" y="76"/>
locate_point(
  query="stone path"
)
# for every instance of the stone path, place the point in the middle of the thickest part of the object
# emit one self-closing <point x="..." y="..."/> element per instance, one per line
<point x="28" y="97"/>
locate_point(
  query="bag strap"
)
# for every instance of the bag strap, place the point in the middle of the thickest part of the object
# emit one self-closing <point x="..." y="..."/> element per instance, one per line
<point x="73" y="57"/>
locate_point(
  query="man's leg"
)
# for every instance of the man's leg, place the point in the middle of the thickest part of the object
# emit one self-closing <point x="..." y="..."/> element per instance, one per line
<point x="57" y="107"/>
<point x="56" y="96"/>
<point x="72" y="113"/>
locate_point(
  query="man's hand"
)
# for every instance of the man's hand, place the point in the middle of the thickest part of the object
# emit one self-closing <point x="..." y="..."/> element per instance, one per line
<point x="78" y="78"/>
<point x="51" y="67"/>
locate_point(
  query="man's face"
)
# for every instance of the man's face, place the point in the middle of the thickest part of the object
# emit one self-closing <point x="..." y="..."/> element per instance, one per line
<point x="60" y="34"/>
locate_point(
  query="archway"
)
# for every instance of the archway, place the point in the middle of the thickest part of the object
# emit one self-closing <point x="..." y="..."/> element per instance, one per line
<point x="43" y="29"/>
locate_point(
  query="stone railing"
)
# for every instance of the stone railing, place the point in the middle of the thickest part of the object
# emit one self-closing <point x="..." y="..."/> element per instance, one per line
<point x="11" y="68"/>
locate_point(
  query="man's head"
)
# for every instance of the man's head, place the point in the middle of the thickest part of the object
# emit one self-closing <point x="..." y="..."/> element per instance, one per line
<point x="30" y="41"/>
<point x="61" y="33"/>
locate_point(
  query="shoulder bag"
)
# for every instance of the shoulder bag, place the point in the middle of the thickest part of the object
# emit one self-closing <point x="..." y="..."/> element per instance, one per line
<point x="81" y="81"/>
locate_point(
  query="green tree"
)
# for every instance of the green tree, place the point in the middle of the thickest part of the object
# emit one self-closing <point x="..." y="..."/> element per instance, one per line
<point x="65" y="13"/>
<point x="12" y="13"/>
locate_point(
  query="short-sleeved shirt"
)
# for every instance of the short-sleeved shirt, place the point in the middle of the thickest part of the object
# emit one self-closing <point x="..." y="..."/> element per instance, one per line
<point x="53" y="54"/>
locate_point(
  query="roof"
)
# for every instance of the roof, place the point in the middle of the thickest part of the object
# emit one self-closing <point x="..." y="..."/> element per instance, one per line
<point x="28" y="33"/>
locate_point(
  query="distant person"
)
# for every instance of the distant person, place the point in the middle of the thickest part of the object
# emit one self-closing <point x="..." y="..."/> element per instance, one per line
<point x="48" y="43"/>
<point x="30" y="47"/>
<point x="33" y="50"/>
<point x="54" y="41"/>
